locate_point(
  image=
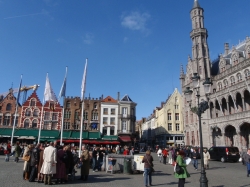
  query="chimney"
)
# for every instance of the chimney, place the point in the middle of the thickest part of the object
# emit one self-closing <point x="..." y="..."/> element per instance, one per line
<point x="226" y="47"/>
<point x="118" y="96"/>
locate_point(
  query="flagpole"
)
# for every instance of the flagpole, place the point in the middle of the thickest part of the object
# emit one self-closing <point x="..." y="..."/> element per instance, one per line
<point x="41" y="119"/>
<point x="63" y="93"/>
<point x="82" y="98"/>
<point x="17" y="103"/>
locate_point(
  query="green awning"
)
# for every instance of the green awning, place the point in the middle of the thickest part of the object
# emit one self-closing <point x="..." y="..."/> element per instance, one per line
<point x="26" y="132"/>
<point x="66" y="134"/>
<point x="45" y="134"/>
<point x="111" y="137"/>
<point x="6" y="132"/>
<point x="76" y="135"/>
<point x="94" y="135"/>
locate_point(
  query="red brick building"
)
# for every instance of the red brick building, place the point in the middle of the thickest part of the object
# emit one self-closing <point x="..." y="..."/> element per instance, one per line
<point x="31" y="114"/>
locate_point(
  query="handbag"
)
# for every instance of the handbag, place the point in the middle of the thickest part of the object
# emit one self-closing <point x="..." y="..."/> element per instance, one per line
<point x="151" y="166"/>
<point x="26" y="158"/>
<point x="178" y="169"/>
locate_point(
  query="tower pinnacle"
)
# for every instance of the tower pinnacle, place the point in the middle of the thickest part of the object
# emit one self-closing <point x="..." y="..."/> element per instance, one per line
<point x="196" y="4"/>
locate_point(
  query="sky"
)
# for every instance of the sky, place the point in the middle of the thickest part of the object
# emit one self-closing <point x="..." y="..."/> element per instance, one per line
<point x="134" y="47"/>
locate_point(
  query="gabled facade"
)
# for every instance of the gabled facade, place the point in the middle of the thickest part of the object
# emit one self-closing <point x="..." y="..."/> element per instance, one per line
<point x="226" y="122"/>
<point x="127" y="116"/>
<point x="109" y="116"/>
<point x="7" y="110"/>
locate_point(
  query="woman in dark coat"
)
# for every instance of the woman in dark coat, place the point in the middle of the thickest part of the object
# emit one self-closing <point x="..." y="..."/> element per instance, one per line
<point x="69" y="164"/>
<point x="60" y="165"/>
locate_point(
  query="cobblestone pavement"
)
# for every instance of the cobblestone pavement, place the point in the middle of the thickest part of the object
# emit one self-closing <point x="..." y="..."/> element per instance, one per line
<point x="219" y="175"/>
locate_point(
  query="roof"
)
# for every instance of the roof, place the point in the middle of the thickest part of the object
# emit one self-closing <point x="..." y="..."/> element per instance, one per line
<point x="196" y="4"/>
<point x="215" y="70"/>
<point x="126" y="98"/>
<point x="109" y="100"/>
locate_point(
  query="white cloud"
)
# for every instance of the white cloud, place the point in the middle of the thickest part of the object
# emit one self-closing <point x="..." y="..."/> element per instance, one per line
<point x="135" y="21"/>
<point x="125" y="39"/>
<point x="88" y="38"/>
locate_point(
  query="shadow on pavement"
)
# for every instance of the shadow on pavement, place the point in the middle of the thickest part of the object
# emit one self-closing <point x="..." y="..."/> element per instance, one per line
<point x="215" y="168"/>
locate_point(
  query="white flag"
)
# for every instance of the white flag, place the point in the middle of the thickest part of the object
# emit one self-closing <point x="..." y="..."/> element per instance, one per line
<point x="63" y="88"/>
<point x="49" y="95"/>
<point x="84" y="80"/>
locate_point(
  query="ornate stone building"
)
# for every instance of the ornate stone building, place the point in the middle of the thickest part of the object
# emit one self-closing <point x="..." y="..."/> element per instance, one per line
<point x="227" y="121"/>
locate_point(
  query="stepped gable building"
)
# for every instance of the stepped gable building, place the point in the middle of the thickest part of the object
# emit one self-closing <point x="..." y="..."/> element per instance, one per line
<point x="31" y="114"/>
<point x="227" y="121"/>
<point x="7" y="110"/>
<point x="109" y="116"/>
<point x="72" y="113"/>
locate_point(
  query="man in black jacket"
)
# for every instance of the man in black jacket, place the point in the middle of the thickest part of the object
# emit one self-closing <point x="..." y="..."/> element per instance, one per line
<point x="34" y="161"/>
<point x="94" y="159"/>
<point x="194" y="159"/>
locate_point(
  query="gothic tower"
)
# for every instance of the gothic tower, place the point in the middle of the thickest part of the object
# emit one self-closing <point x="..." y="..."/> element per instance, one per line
<point x="198" y="35"/>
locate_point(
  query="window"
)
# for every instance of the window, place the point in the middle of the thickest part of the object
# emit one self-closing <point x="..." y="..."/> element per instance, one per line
<point x="68" y="104"/>
<point x="77" y="115"/>
<point x="26" y="123"/>
<point x="112" y="111"/>
<point x="66" y="125"/>
<point x="170" y="126"/>
<point x="8" y="107"/>
<point x="239" y="78"/>
<point x="247" y="73"/>
<point x="112" y="121"/>
<point x="95" y="105"/>
<point x="54" y="116"/>
<point x="36" y="113"/>
<point x="34" y="123"/>
<point x="32" y="102"/>
<point x="124" y="126"/>
<point x="177" y="127"/>
<point x="124" y="110"/>
<point x="104" y="131"/>
<point x="28" y="112"/>
<point x="177" y="117"/>
<point x="85" y="115"/>
<point x="105" y="120"/>
<point x="6" y="120"/>
<point x="1" y="120"/>
<point x="46" y="125"/>
<point x="220" y="85"/>
<point x="225" y="83"/>
<point x="105" y="111"/>
<point x="176" y="106"/>
<point x="112" y="131"/>
<point x="13" y="119"/>
<point x="47" y="116"/>
<point x="85" y="126"/>
<point x="94" y="115"/>
<point x="169" y="116"/>
<point x="67" y="114"/>
<point x="54" y="126"/>
<point x="52" y="106"/>
<point x="232" y="80"/>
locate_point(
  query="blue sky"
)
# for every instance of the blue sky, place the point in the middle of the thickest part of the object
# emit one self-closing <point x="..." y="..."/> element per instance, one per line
<point x="134" y="47"/>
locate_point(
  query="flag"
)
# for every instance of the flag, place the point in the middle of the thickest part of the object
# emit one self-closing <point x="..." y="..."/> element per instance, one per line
<point x="63" y="88"/>
<point x="49" y="95"/>
<point x="84" y="80"/>
<point x="19" y="90"/>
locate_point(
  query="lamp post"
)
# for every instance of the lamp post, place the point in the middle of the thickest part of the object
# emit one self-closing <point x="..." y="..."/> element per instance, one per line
<point x="198" y="110"/>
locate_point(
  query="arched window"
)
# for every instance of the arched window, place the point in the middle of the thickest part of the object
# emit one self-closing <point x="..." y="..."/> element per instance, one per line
<point x="32" y="102"/>
<point x="36" y="113"/>
<point x="232" y="80"/>
<point x="225" y="83"/>
<point x="220" y="85"/>
<point x="26" y="123"/>
<point x="34" y="123"/>
<point x="8" y="107"/>
<point x="239" y="77"/>
<point x="28" y="112"/>
<point x="247" y="73"/>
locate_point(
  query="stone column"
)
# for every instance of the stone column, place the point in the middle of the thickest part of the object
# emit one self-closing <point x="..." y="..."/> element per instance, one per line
<point x="243" y="104"/>
<point x="228" y="108"/>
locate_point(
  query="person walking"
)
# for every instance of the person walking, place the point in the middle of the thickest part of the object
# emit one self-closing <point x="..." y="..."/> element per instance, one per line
<point x="194" y="159"/>
<point x="247" y="161"/>
<point x="206" y="156"/>
<point x="148" y="165"/>
<point x="7" y="159"/>
<point x="26" y="166"/>
<point x="94" y="159"/>
<point x="165" y="154"/>
<point x="49" y="163"/>
<point x="34" y="160"/>
<point x="182" y="176"/>
<point x="85" y="164"/>
<point x="170" y="156"/>
<point x="40" y="163"/>
<point x="101" y="155"/>
<point x="159" y="153"/>
<point x="18" y="151"/>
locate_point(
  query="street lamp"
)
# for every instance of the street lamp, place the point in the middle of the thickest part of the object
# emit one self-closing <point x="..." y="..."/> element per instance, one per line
<point x="198" y="110"/>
